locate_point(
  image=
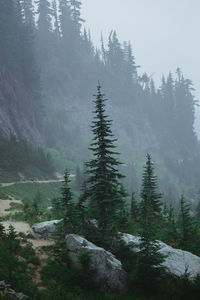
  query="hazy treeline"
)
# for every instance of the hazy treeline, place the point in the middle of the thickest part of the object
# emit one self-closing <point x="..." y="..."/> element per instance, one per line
<point x="60" y="65"/>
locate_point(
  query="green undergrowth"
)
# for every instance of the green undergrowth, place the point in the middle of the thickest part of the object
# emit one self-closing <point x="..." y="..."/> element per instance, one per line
<point x="28" y="190"/>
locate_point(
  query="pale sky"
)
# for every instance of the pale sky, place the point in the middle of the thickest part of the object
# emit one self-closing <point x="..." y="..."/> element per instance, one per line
<point x="164" y="33"/>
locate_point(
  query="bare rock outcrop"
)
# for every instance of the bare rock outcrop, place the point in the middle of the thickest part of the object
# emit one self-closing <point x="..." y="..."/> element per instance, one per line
<point x="43" y="230"/>
<point x="108" y="270"/>
<point x="5" y="290"/>
<point x="177" y="261"/>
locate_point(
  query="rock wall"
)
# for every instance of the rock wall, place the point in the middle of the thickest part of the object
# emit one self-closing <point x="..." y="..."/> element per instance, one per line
<point x="17" y="109"/>
<point x="177" y="262"/>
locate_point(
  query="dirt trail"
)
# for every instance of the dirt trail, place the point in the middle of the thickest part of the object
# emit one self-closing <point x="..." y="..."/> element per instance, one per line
<point x="60" y="179"/>
<point x="5" y="205"/>
<point x="43" y="256"/>
<point x="37" y="244"/>
<point x="19" y="226"/>
<point x="31" y="181"/>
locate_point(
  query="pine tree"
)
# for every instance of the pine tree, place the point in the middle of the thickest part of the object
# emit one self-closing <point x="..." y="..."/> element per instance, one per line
<point x="28" y="13"/>
<point x="71" y="222"/>
<point x="130" y="66"/>
<point x="105" y="190"/>
<point x="37" y="203"/>
<point x="149" y="187"/>
<point x="44" y="20"/>
<point x="185" y="110"/>
<point x="79" y="178"/>
<point x="149" y="259"/>
<point x="115" y="58"/>
<point x="198" y="207"/>
<point x="9" y="32"/>
<point x="187" y="227"/>
<point x="134" y="208"/>
<point x="169" y="233"/>
<point x="44" y="36"/>
<point x="66" y="203"/>
<point x="76" y="15"/>
<point x="56" y="18"/>
<point x="2" y="232"/>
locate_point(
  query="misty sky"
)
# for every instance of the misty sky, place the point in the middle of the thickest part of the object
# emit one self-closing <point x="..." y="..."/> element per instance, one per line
<point x="164" y="34"/>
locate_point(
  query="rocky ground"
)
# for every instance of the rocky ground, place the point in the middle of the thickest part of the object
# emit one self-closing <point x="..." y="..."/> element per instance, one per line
<point x="109" y="269"/>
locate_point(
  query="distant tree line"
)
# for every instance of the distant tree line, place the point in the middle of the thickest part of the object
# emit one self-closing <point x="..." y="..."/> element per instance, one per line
<point x="18" y="155"/>
<point x="65" y="49"/>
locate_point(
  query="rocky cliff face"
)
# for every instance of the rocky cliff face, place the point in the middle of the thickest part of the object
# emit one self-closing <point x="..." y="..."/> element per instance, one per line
<point x="17" y="111"/>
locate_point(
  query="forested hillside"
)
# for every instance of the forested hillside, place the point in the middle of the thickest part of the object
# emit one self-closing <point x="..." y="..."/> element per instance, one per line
<point x="49" y="57"/>
<point x="99" y="194"/>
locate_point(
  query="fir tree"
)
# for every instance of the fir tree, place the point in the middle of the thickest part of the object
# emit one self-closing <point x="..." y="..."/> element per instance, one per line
<point x="71" y="222"/>
<point x="79" y="178"/>
<point x="106" y="192"/>
<point x="76" y="14"/>
<point x="2" y="232"/>
<point x="28" y="13"/>
<point x="134" y="208"/>
<point x="198" y="207"/>
<point x="130" y="66"/>
<point x="37" y="203"/>
<point x="66" y="203"/>
<point x="169" y="234"/>
<point x="149" y="187"/>
<point x="187" y="227"/>
<point x="149" y="259"/>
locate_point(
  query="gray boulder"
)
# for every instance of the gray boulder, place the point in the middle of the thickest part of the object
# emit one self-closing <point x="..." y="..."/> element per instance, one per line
<point x="6" y="291"/>
<point x="177" y="261"/>
<point x="108" y="270"/>
<point x="44" y="230"/>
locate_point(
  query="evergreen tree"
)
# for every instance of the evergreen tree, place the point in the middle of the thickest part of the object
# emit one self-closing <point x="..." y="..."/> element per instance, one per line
<point x="66" y="202"/>
<point x="185" y="110"/>
<point x="2" y="232"/>
<point x="115" y="59"/>
<point x="44" y="36"/>
<point x="28" y="13"/>
<point x="79" y="178"/>
<point x="76" y="15"/>
<point x="71" y="222"/>
<point x="149" y="187"/>
<point x="37" y="203"/>
<point x="44" y="20"/>
<point x="56" y="18"/>
<point x="149" y="259"/>
<point x="105" y="190"/>
<point x="134" y="208"/>
<point x="169" y="232"/>
<point x="188" y="230"/>
<point x="198" y="207"/>
<point x="130" y="66"/>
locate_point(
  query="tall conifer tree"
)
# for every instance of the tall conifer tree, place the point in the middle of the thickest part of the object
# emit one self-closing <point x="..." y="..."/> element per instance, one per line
<point x="105" y="190"/>
<point x="149" y="187"/>
<point x="188" y="233"/>
<point x="149" y="259"/>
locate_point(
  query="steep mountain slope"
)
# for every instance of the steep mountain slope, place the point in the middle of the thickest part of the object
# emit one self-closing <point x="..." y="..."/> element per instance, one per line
<point x="17" y="113"/>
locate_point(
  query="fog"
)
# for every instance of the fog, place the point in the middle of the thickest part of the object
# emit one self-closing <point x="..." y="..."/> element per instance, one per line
<point x="164" y="34"/>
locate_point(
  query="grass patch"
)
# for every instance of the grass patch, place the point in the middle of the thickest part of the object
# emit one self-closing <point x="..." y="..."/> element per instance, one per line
<point x="28" y="190"/>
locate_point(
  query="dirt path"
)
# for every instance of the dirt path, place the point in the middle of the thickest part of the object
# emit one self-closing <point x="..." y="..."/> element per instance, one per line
<point x="19" y="226"/>
<point x="31" y="181"/>
<point x="35" y="181"/>
<point x="37" y="244"/>
<point x="43" y="256"/>
<point x="5" y="205"/>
